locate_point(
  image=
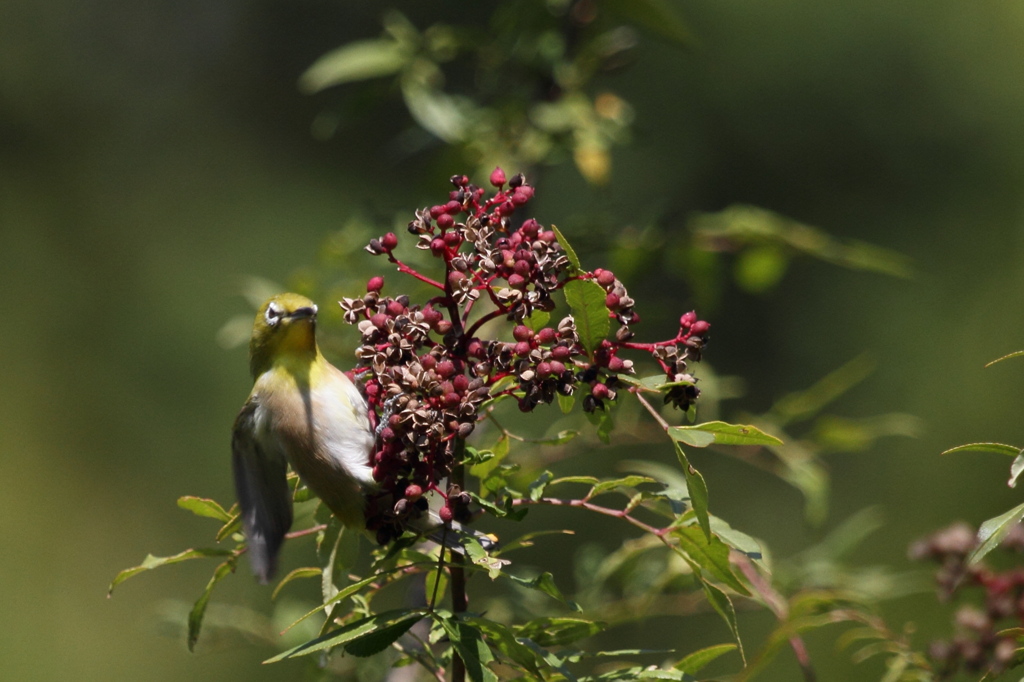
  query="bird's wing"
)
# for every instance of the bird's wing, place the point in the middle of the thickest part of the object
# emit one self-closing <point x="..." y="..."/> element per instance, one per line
<point x="261" y="483"/>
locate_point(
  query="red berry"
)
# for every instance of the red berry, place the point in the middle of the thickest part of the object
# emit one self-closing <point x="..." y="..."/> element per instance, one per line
<point x="557" y="368"/>
<point x="428" y="361"/>
<point x="460" y="383"/>
<point x="375" y="283"/>
<point x="437" y="246"/>
<point x="605" y="278"/>
<point x="615" y="364"/>
<point x="544" y="368"/>
<point x="389" y="241"/>
<point x="475" y="349"/>
<point x="443" y="327"/>
<point x="700" y="327"/>
<point x="497" y="177"/>
<point x="530" y="227"/>
<point x="522" y="333"/>
<point x="548" y="237"/>
<point x="546" y="335"/>
<point x="454" y="277"/>
<point x="561" y="353"/>
<point x="395" y="308"/>
<point x="599" y="391"/>
<point x="522" y="268"/>
<point x="445" y="369"/>
<point x="452" y="239"/>
<point x="452" y="400"/>
<point x="687" y="319"/>
<point x="516" y="281"/>
<point x="380" y="320"/>
<point x="522" y="195"/>
<point x="453" y="206"/>
<point x="413" y="492"/>
<point x="522" y="349"/>
<point x="445" y="220"/>
<point x="446" y="514"/>
<point x="436" y="211"/>
<point x="611" y="301"/>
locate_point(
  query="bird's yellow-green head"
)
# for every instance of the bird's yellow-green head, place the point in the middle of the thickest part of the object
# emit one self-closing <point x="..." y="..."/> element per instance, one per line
<point x="284" y="330"/>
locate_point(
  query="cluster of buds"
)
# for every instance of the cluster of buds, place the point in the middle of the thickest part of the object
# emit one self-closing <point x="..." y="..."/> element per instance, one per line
<point x="429" y="368"/>
<point x="980" y="642"/>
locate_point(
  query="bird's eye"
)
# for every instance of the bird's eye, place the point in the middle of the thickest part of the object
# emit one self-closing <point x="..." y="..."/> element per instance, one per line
<point x="273" y="314"/>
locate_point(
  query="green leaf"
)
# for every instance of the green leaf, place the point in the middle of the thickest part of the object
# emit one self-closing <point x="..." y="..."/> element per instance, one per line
<point x="545" y="582"/>
<point x="570" y="253"/>
<point x="537" y="320"/>
<point x="992" y="532"/>
<point x="722" y="434"/>
<point x="535" y="491"/>
<point x="998" y="448"/>
<point x="659" y="17"/>
<point x="805" y="404"/>
<point x="698" y="490"/>
<point x="586" y="299"/>
<point x="721" y="603"/>
<point x="625" y="482"/>
<point x="377" y="641"/>
<point x="526" y="540"/>
<point x="469" y="644"/>
<point x="201" y="506"/>
<point x="549" y="632"/>
<point x="305" y="572"/>
<point x="498" y="453"/>
<point x="354" y="630"/>
<point x="1015" y="354"/>
<point x="505" y="642"/>
<point x="711" y="555"/>
<point x="436" y="584"/>
<point x="561" y="438"/>
<point x="565" y="403"/>
<point x="151" y="562"/>
<point x="602" y="419"/>
<point x="195" y="616"/>
<point x="233" y="525"/>
<point x="358" y="60"/>
<point x="695" y="662"/>
<point x="1015" y="470"/>
<point x="344" y="593"/>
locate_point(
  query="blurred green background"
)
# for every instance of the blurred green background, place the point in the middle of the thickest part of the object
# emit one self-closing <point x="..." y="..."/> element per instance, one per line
<point x="155" y="154"/>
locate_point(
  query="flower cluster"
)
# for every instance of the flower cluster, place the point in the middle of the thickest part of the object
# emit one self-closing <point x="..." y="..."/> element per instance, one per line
<point x="980" y="642"/>
<point x="430" y="368"/>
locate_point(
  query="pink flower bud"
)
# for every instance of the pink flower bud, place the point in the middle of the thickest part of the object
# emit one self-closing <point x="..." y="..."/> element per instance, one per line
<point x="497" y="177"/>
<point x="379" y="320"/>
<point x="375" y="283"/>
<point x="687" y="319"/>
<point x="615" y="364"/>
<point x="700" y="327"/>
<point x="606" y="278"/>
<point x="599" y="391"/>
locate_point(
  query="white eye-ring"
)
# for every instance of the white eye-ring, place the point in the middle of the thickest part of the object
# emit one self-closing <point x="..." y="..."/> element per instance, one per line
<point x="273" y="314"/>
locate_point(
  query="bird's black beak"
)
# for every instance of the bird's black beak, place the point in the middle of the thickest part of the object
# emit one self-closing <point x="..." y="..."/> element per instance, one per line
<point x="303" y="313"/>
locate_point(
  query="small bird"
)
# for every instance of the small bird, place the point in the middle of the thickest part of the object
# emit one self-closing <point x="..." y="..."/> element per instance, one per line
<point x="304" y="411"/>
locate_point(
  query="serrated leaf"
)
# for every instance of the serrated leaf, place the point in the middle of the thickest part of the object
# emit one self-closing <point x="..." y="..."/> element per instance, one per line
<point x="151" y="562"/>
<point x="711" y="555"/>
<point x="998" y="448"/>
<point x="549" y="632"/>
<point x="721" y="433"/>
<point x="570" y="253"/>
<point x="305" y="572"/>
<point x="1015" y="354"/>
<point x="992" y="532"/>
<point x="586" y="300"/>
<point x="625" y="482"/>
<point x="377" y="641"/>
<point x="347" y="633"/>
<point x="469" y="644"/>
<point x="358" y="60"/>
<point x="698" y="490"/>
<point x="698" y="660"/>
<point x="201" y="506"/>
<point x="195" y="616"/>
